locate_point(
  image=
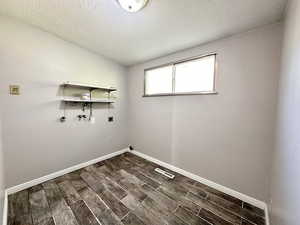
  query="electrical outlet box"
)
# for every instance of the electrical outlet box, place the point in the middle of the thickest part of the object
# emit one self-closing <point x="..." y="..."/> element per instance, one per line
<point x="110" y="119"/>
<point x="14" y="89"/>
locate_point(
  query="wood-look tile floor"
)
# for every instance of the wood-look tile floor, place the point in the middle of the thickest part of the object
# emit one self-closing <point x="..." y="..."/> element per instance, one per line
<point x="125" y="190"/>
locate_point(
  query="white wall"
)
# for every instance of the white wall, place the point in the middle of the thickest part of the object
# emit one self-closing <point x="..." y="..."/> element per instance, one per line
<point x="34" y="142"/>
<point x="285" y="184"/>
<point x="227" y="138"/>
<point x="2" y="186"/>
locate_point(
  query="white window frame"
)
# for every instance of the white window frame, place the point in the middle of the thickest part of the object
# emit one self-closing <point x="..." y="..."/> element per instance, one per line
<point x="174" y="80"/>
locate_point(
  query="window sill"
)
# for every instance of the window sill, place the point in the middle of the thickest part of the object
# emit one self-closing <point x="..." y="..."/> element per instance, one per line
<point x="183" y="94"/>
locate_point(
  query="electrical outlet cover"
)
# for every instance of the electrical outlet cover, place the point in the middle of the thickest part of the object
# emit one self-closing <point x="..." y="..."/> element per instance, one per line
<point x="14" y="89"/>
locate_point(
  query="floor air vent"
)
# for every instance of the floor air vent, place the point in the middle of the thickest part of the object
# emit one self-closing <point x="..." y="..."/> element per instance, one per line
<point x="169" y="175"/>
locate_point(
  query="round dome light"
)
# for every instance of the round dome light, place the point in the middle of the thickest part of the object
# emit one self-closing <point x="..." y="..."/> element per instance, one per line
<point x="132" y="5"/>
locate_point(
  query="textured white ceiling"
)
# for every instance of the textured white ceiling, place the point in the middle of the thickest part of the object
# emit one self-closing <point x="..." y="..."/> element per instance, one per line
<point x="163" y="27"/>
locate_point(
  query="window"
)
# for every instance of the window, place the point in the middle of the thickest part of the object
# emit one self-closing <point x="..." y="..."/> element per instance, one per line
<point x="194" y="76"/>
<point x="159" y="80"/>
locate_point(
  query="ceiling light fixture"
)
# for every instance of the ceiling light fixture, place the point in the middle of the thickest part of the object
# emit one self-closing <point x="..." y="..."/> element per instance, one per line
<point x="132" y="5"/>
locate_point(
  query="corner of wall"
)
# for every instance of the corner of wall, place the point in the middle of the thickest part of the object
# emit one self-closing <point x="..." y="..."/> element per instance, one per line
<point x="2" y="185"/>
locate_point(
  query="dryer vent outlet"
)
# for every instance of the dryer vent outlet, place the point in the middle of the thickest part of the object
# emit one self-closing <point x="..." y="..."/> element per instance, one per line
<point x="165" y="173"/>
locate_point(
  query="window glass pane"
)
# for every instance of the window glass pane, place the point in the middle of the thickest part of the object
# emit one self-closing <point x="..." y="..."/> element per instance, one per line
<point x="159" y="80"/>
<point x="196" y="75"/>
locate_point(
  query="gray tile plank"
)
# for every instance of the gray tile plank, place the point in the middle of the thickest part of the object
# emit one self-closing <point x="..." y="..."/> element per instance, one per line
<point x="252" y="217"/>
<point x="62" y="178"/>
<point x="217" y="210"/>
<point x="102" y="212"/>
<point x="136" y="207"/>
<point x="39" y="207"/>
<point x="144" y="178"/>
<point x="173" y="191"/>
<point x="180" y="179"/>
<point x="105" y="171"/>
<point x="110" y="166"/>
<point x="245" y="222"/>
<point x="132" y="219"/>
<point x="158" y="212"/>
<point x="138" y="193"/>
<point x="236" y="209"/>
<point x="130" y="202"/>
<point x="114" y="204"/>
<point x="231" y="206"/>
<point x="69" y="193"/>
<point x="162" y="212"/>
<point x="20" y="220"/>
<point x="256" y="210"/>
<point x="189" y="205"/>
<point x="115" y="188"/>
<point x="129" y="181"/>
<point x="109" y="218"/>
<point x="55" y="198"/>
<point x="109" y="184"/>
<point x="212" y="218"/>
<point x="76" y="180"/>
<point x="35" y="188"/>
<point x="136" y="160"/>
<point x="178" y="193"/>
<point x="11" y="201"/>
<point x="189" y="217"/>
<point x="132" y="184"/>
<point x="147" y="216"/>
<point x="83" y="214"/>
<point x="47" y="221"/>
<point x="197" y="191"/>
<point x="93" y="200"/>
<point x="93" y="182"/>
<point x="219" y="193"/>
<point x="160" y="198"/>
<point x="78" y="184"/>
<point x="20" y="203"/>
<point x="121" y="162"/>
<point x="112" y="175"/>
<point x="65" y="217"/>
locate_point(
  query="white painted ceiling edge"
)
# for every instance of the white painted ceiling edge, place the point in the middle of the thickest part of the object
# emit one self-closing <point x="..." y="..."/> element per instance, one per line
<point x="161" y="28"/>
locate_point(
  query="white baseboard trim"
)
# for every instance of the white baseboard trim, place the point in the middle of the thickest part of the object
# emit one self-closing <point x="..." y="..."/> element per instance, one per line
<point x="243" y="197"/>
<point x="5" y="209"/>
<point x="51" y="176"/>
<point x="267" y="214"/>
